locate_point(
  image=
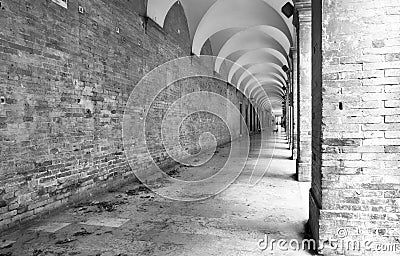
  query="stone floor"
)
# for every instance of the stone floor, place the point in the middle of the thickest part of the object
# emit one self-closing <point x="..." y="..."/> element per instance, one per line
<point x="135" y="221"/>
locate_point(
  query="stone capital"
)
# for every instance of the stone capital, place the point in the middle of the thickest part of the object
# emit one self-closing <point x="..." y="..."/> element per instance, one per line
<point x="301" y="5"/>
<point x="303" y="9"/>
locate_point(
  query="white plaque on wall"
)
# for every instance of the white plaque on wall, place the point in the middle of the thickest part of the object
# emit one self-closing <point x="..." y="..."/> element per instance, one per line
<point x="63" y="3"/>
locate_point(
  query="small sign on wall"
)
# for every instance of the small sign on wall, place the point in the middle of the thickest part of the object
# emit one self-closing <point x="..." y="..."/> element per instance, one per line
<point x="63" y="3"/>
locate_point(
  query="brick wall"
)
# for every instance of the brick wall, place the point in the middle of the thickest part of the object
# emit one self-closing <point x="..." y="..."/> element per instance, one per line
<point x="356" y="179"/>
<point x="65" y="78"/>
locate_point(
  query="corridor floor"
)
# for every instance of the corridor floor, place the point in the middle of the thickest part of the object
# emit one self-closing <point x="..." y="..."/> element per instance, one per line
<point x="134" y="221"/>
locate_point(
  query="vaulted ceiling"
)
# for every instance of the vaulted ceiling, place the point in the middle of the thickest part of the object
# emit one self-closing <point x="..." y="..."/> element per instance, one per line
<point x="251" y="40"/>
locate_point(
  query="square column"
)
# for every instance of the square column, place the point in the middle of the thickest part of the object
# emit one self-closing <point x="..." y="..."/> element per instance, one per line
<point x="294" y="107"/>
<point x="289" y="124"/>
<point x="355" y="195"/>
<point x="286" y="114"/>
<point x="304" y="117"/>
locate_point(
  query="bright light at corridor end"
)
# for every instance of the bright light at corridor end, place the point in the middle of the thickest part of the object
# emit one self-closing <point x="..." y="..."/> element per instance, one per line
<point x="135" y="140"/>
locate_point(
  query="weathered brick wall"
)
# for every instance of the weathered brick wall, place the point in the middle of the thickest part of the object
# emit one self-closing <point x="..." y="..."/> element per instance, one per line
<point x="356" y="180"/>
<point x="65" y="78"/>
<point x="194" y="125"/>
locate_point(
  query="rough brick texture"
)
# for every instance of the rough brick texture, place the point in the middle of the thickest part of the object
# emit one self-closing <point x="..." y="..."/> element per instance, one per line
<point x="65" y="78"/>
<point x="304" y="120"/>
<point x="295" y="103"/>
<point x="356" y="178"/>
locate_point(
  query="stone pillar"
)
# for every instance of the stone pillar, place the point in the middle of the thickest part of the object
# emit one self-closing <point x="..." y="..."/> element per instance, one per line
<point x="290" y="116"/>
<point x="256" y="119"/>
<point x="294" y="107"/>
<point x="286" y="113"/>
<point x="291" y="112"/>
<point x="266" y="120"/>
<point x="303" y="162"/>
<point x="252" y="117"/>
<point x="249" y="116"/>
<point x="262" y="121"/>
<point x="355" y="191"/>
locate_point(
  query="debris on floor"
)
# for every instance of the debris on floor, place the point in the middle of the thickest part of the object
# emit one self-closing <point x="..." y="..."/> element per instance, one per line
<point x="52" y="251"/>
<point x="141" y="208"/>
<point x="82" y="232"/>
<point x="174" y="172"/>
<point x="99" y="206"/>
<point x="37" y="252"/>
<point x="136" y="191"/>
<point x="6" y="244"/>
<point x="66" y="241"/>
<point x="108" y="206"/>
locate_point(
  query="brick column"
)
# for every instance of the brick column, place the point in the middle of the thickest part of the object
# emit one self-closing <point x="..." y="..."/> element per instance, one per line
<point x="355" y="191"/>
<point x="290" y="115"/>
<point x="286" y="114"/>
<point x="303" y="163"/>
<point x="256" y="119"/>
<point x="248" y="116"/>
<point x="294" y="108"/>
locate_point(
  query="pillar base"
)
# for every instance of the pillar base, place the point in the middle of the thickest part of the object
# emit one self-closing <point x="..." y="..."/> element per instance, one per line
<point x="303" y="171"/>
<point x="294" y="154"/>
<point x="314" y="215"/>
<point x="294" y="147"/>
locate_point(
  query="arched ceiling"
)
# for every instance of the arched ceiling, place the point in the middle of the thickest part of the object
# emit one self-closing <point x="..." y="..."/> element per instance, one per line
<point x="253" y="34"/>
<point x="271" y="78"/>
<point x="260" y="55"/>
<point x="252" y="39"/>
<point x="261" y="68"/>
